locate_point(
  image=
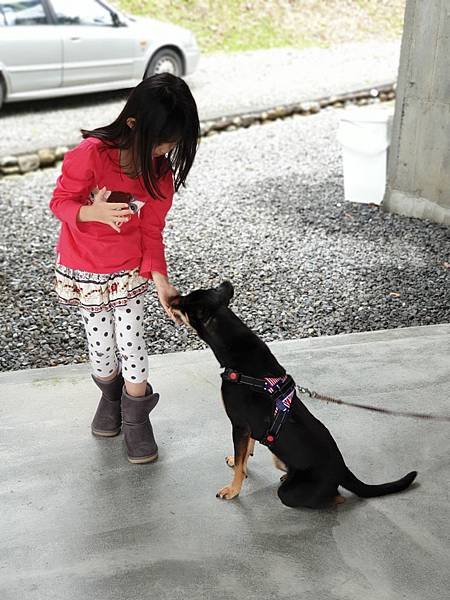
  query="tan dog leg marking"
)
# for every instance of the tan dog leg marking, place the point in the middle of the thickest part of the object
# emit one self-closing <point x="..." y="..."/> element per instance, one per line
<point x="250" y="451"/>
<point x="339" y="499"/>
<point x="240" y="473"/>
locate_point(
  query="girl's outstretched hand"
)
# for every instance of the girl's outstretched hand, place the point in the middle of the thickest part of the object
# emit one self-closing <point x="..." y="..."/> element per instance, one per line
<point x="102" y="211"/>
<point x="166" y="293"/>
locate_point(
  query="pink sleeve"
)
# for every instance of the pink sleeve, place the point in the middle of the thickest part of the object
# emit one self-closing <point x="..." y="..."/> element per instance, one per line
<point x="77" y="179"/>
<point x="153" y="220"/>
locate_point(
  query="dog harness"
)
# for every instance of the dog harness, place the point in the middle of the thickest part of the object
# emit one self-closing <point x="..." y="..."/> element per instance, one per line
<point x="282" y="391"/>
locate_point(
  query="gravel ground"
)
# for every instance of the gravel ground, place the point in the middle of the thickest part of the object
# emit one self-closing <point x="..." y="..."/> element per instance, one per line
<point x="264" y="208"/>
<point x="253" y="80"/>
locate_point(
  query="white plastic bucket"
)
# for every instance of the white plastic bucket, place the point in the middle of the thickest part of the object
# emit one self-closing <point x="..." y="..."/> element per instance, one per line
<point x="365" y="137"/>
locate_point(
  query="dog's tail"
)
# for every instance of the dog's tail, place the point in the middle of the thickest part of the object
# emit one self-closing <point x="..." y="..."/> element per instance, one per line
<point x="353" y="484"/>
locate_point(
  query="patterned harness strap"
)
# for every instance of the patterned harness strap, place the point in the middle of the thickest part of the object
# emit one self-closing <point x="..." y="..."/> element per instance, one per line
<point x="282" y="390"/>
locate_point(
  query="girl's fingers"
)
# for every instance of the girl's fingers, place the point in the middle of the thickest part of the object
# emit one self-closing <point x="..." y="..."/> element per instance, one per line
<point x="175" y="317"/>
<point x="102" y="195"/>
<point x="166" y="306"/>
<point x="120" y="213"/>
<point x="115" y="227"/>
<point x="169" y="313"/>
<point x="117" y="222"/>
<point x="119" y="206"/>
<point x="93" y="193"/>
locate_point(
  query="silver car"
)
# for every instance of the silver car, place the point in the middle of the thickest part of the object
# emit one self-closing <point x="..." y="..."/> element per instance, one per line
<point x="60" y="47"/>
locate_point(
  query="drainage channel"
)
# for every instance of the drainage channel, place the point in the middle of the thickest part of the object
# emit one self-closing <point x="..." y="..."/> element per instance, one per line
<point x="19" y="164"/>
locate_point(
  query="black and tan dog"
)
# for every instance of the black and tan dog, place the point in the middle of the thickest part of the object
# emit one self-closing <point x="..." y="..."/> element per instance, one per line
<point x="314" y="466"/>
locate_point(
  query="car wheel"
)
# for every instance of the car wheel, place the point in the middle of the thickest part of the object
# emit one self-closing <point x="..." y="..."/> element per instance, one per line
<point x="2" y="92"/>
<point x="165" y="61"/>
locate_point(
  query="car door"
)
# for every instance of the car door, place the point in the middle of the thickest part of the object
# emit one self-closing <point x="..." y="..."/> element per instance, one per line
<point x="30" y="47"/>
<point x="96" y="50"/>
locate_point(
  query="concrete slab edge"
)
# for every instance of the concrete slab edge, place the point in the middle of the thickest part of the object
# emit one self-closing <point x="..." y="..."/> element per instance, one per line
<point x="195" y="357"/>
<point x="19" y="164"/>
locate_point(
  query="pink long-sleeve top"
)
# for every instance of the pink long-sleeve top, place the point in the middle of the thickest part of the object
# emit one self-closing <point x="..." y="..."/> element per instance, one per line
<point x="96" y="247"/>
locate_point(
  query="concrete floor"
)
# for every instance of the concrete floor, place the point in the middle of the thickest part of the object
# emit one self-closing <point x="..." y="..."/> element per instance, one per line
<point x="78" y="522"/>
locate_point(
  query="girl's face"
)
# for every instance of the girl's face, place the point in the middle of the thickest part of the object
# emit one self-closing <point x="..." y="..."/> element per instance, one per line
<point x="160" y="149"/>
<point x="163" y="149"/>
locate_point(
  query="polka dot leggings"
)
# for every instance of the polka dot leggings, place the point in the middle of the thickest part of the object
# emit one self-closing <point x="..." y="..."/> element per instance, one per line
<point x="114" y="334"/>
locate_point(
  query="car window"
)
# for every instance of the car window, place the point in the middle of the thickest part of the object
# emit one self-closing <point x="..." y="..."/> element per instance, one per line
<point x="22" y="12"/>
<point x="81" y="12"/>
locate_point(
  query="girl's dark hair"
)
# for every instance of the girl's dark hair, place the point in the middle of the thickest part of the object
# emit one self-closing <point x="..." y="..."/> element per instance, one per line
<point x="165" y="112"/>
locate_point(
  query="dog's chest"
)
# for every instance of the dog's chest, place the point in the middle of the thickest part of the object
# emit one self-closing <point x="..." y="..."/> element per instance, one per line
<point x="258" y="414"/>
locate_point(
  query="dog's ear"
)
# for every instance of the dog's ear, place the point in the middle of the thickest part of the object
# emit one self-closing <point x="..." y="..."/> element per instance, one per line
<point x="225" y="292"/>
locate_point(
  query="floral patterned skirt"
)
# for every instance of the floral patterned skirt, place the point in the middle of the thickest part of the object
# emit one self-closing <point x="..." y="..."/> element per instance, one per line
<point x="98" y="291"/>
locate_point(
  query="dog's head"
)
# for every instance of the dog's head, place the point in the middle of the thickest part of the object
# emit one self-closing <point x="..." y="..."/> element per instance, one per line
<point x="199" y="307"/>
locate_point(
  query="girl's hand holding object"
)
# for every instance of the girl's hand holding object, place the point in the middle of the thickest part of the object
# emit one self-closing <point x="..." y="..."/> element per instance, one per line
<point x="109" y="213"/>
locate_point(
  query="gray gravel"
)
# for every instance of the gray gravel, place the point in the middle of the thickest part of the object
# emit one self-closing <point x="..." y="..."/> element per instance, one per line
<point x="224" y="84"/>
<point x="264" y="208"/>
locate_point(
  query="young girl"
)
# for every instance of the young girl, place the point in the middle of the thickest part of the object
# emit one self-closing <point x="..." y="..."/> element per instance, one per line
<point x="107" y="251"/>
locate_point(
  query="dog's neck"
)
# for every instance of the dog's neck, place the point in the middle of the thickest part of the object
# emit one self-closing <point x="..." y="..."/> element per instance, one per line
<point x="237" y="347"/>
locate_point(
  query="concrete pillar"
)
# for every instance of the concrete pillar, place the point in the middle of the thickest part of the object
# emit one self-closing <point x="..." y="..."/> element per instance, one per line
<point x="419" y="159"/>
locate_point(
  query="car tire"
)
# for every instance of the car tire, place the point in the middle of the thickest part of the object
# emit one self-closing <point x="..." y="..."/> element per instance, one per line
<point x="165" y="60"/>
<point x="2" y="91"/>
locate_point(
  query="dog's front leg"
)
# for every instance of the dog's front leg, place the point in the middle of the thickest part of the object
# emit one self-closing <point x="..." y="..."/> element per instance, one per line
<point x="250" y="451"/>
<point x="241" y="437"/>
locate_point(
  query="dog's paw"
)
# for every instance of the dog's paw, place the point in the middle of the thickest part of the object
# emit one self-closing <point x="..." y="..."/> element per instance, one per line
<point x="230" y="461"/>
<point x="227" y="493"/>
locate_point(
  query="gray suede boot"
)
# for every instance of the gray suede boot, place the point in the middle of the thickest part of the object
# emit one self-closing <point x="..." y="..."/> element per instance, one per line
<point x="137" y="429"/>
<point x="108" y="419"/>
